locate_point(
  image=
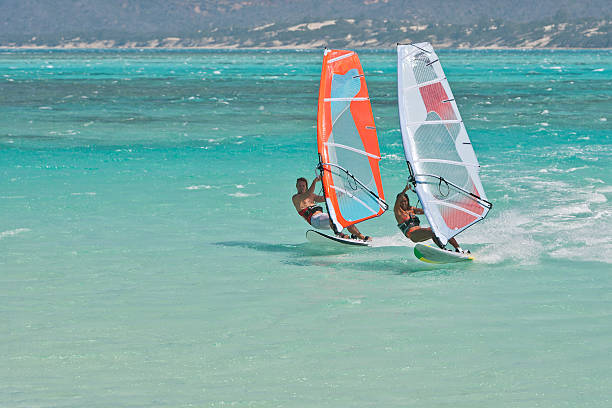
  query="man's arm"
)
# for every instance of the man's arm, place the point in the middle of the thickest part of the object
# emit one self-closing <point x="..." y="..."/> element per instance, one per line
<point x="312" y="186"/>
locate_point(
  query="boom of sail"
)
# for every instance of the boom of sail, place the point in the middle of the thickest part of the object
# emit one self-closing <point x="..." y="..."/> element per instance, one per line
<point x="441" y="160"/>
<point x="347" y="142"/>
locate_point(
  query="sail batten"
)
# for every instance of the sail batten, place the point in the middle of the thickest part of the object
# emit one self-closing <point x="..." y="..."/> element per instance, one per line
<point x="341" y="57"/>
<point x="353" y="150"/>
<point x="345" y="99"/>
<point x="426" y="83"/>
<point x="441" y="159"/>
<point x="456" y="163"/>
<point x="433" y="122"/>
<point x="347" y="142"/>
<point x="445" y="204"/>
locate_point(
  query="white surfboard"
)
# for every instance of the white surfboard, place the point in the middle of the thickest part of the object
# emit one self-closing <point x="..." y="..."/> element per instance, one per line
<point x="317" y="237"/>
<point x="432" y="254"/>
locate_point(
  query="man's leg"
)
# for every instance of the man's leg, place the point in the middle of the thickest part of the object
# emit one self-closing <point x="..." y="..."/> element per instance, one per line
<point x="354" y="231"/>
<point x="320" y="220"/>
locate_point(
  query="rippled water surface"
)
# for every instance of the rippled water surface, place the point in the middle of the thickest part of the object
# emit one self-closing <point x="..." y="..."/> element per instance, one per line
<point x="150" y="254"/>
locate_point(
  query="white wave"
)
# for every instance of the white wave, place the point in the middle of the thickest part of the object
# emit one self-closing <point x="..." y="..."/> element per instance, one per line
<point x="11" y="233"/>
<point x="596" y="198"/>
<point x="594" y="180"/>
<point x="604" y="189"/>
<point x="578" y="225"/>
<point x="199" y="187"/>
<point x="89" y="193"/>
<point x="240" y="194"/>
<point x="557" y="170"/>
<point x="569" y="210"/>
<point x="540" y="184"/>
<point x="506" y="236"/>
<point x="397" y="240"/>
<point x="599" y="70"/>
<point x="598" y="253"/>
<point x="512" y="126"/>
<point x="392" y="156"/>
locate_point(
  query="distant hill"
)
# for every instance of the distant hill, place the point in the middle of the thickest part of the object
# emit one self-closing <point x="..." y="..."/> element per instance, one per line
<point x="304" y="23"/>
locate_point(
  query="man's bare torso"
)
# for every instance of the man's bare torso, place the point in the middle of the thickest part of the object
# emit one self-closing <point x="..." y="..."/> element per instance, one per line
<point x="304" y="200"/>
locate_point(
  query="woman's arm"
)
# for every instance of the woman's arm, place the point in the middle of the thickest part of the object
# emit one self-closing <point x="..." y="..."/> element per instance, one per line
<point x="408" y="187"/>
<point x="417" y="210"/>
<point x="396" y="206"/>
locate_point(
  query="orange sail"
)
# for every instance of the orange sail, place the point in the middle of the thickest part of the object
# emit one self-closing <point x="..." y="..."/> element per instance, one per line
<point x="347" y="142"/>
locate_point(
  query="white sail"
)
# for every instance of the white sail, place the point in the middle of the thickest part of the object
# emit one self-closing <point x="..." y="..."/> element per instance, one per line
<point x="439" y="153"/>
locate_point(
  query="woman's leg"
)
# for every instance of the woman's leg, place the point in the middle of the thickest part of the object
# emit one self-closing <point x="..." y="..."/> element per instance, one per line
<point x="419" y="234"/>
<point x="423" y="234"/>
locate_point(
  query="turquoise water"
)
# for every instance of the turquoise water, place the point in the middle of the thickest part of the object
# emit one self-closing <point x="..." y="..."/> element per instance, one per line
<point x="150" y="255"/>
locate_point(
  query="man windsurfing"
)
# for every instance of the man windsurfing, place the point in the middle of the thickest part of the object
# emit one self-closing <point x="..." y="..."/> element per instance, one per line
<point x="305" y="203"/>
<point x="409" y="223"/>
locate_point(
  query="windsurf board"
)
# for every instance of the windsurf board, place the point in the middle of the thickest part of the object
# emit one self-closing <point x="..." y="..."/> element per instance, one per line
<point x="432" y="254"/>
<point x="317" y="237"/>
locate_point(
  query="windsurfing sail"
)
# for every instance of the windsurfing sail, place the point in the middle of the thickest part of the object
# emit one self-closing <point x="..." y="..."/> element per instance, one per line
<point x="347" y="142"/>
<point x="440" y="157"/>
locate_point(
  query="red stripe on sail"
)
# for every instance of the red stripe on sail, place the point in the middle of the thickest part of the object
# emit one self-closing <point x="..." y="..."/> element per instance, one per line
<point x="433" y="95"/>
<point x="456" y="219"/>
